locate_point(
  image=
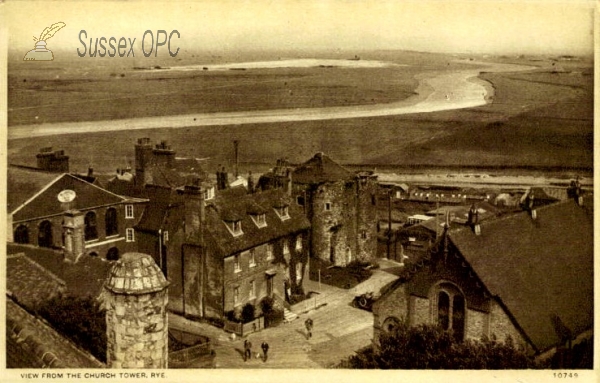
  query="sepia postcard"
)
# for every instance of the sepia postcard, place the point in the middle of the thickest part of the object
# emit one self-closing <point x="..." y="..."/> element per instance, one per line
<point x="298" y="190"/>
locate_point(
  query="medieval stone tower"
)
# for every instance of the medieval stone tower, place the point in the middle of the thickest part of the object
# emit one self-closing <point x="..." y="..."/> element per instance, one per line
<point x="136" y="315"/>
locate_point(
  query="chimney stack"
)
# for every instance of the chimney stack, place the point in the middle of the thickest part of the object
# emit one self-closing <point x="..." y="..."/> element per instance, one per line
<point x="90" y="171"/>
<point x="73" y="230"/>
<point x="236" y="156"/>
<point x="250" y="183"/>
<point x="194" y="212"/>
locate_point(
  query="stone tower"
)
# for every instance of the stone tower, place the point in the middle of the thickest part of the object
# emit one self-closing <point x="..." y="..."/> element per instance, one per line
<point x="136" y="315"/>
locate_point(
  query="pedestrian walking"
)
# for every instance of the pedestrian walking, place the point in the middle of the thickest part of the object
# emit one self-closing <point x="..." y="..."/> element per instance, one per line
<point x="265" y="348"/>
<point x="309" y="326"/>
<point x="247" y="350"/>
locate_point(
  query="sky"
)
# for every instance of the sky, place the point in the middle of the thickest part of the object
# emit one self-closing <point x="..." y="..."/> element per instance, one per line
<point x="456" y="26"/>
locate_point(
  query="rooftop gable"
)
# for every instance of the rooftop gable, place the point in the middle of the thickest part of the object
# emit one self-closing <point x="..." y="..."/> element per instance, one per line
<point x="45" y="202"/>
<point x="320" y="169"/>
<point x="539" y="268"/>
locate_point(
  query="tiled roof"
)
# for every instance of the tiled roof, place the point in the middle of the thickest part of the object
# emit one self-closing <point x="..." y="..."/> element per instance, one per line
<point x="29" y="283"/>
<point x="32" y="343"/>
<point x="136" y="273"/>
<point x="242" y="204"/>
<point x="46" y="203"/>
<point x="179" y="175"/>
<point x="319" y="169"/>
<point x="538" y="268"/>
<point x="84" y="278"/>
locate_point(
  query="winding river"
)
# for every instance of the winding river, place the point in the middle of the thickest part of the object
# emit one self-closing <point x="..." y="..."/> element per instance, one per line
<point x="437" y="91"/>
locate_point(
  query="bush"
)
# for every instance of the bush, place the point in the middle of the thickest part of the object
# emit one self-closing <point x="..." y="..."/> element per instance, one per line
<point x="430" y="347"/>
<point x="248" y="313"/>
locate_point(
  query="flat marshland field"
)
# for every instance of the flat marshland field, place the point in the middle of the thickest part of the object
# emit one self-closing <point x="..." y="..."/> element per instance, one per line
<point x="542" y="118"/>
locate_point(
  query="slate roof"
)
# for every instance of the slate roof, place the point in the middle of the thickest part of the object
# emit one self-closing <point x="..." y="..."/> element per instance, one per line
<point x="160" y="200"/>
<point x="238" y="202"/>
<point x="29" y="283"/>
<point x="32" y="343"/>
<point x="320" y="169"/>
<point x="84" y="278"/>
<point x="22" y="184"/>
<point x="45" y="202"/>
<point x="538" y="268"/>
<point x="179" y="175"/>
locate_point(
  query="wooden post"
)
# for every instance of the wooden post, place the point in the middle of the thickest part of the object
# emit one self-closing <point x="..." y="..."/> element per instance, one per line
<point x="319" y="279"/>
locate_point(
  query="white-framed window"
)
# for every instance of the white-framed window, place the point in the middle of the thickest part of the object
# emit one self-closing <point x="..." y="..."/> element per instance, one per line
<point x="236" y="295"/>
<point x="269" y="252"/>
<point x="298" y="272"/>
<point x="299" y="243"/>
<point x="209" y="193"/>
<point x="363" y="234"/>
<point x="260" y="220"/>
<point x="286" y="247"/>
<point x="235" y="228"/>
<point x="237" y="267"/>
<point x="327" y="206"/>
<point x="252" y="290"/>
<point x="129" y="212"/>
<point x="129" y="235"/>
<point x="398" y="194"/>
<point x="165" y="236"/>
<point x="283" y="213"/>
<point x="252" y="258"/>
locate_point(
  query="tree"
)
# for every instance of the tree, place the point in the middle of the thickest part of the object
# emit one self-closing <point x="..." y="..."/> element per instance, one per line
<point x="430" y="347"/>
<point x="80" y="319"/>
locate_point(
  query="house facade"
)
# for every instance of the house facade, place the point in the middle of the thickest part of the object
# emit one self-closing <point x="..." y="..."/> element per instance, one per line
<point x="528" y="276"/>
<point x="71" y="214"/>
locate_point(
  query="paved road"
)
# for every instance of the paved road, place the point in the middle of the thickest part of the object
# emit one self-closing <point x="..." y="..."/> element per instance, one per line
<point x="339" y="330"/>
<point x="436" y="92"/>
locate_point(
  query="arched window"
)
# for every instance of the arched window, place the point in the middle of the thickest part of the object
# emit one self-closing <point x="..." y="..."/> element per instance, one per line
<point x="45" y="234"/>
<point x="113" y="254"/>
<point x="450" y="309"/>
<point x="21" y="234"/>
<point x="112" y="225"/>
<point x="91" y="229"/>
<point x="391" y="324"/>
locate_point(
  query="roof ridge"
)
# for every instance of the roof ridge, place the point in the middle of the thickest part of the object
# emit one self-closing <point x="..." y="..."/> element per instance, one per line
<point x="38" y="193"/>
<point x="96" y="186"/>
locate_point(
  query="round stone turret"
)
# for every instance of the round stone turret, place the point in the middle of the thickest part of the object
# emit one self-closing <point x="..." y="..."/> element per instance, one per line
<point x="136" y="313"/>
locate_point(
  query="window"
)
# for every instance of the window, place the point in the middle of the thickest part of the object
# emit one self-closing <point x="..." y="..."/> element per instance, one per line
<point x="112" y="226"/>
<point x="327" y="206"/>
<point x="298" y="272"/>
<point x="236" y="263"/>
<point x="283" y="213"/>
<point x="128" y="211"/>
<point x="300" y="200"/>
<point x="260" y="220"/>
<point x="236" y="296"/>
<point x="21" y="234"/>
<point x="299" y="243"/>
<point x="252" y="290"/>
<point x="451" y="310"/>
<point x="129" y="235"/>
<point x="269" y="252"/>
<point x="165" y="236"/>
<point x="363" y="234"/>
<point x="91" y="230"/>
<point x="112" y="254"/>
<point x="209" y="193"/>
<point x="286" y="247"/>
<point x="235" y="228"/>
<point x="252" y="258"/>
<point x="391" y="324"/>
<point x="45" y="234"/>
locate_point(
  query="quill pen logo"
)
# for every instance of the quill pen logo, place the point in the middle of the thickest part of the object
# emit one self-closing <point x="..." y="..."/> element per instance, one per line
<point x="41" y="53"/>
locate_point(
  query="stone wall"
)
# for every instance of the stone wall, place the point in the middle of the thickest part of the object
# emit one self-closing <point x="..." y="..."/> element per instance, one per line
<point x="420" y="311"/>
<point x="501" y="326"/>
<point x="477" y="324"/>
<point x="394" y="304"/>
<point x="137" y="330"/>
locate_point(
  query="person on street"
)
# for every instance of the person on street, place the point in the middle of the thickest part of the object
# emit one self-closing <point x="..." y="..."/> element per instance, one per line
<point x="265" y="348"/>
<point x="309" y="326"/>
<point x="247" y="350"/>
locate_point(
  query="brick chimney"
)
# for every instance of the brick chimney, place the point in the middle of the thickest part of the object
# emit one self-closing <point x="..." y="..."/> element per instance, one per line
<point x="473" y="220"/>
<point x="73" y="231"/>
<point x="193" y="196"/>
<point x="163" y="155"/>
<point x="143" y="158"/>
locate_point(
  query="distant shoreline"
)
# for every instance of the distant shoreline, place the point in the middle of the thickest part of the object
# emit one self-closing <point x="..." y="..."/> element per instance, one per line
<point x="436" y="92"/>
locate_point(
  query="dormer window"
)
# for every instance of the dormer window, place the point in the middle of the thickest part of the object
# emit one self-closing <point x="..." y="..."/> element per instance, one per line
<point x="259" y="219"/>
<point x="235" y="227"/>
<point x="283" y="212"/>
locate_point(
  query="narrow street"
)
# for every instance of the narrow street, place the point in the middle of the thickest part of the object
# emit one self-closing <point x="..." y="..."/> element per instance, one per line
<point x="339" y="329"/>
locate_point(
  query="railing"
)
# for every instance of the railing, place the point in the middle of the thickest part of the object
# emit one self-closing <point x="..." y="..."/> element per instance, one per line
<point x="242" y="329"/>
<point x="183" y="358"/>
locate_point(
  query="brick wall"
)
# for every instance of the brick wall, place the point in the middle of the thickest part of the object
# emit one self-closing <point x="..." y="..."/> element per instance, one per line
<point x="395" y="304"/>
<point x="501" y="326"/>
<point x="420" y="311"/>
<point x="476" y="324"/>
